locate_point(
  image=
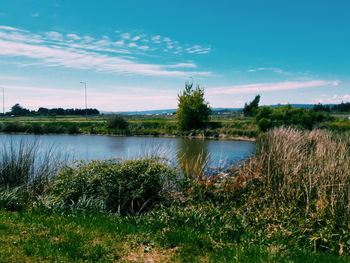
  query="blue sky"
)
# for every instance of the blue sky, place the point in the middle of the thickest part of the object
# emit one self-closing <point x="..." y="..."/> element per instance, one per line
<point x="137" y="55"/>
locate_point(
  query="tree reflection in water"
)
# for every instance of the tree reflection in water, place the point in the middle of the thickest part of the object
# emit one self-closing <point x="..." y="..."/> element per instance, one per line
<point x="193" y="156"/>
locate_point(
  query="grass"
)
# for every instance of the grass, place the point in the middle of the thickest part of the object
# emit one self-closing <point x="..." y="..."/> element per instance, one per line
<point x="170" y="235"/>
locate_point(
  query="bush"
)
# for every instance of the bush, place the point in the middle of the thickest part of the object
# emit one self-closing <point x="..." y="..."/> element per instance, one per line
<point x="122" y="187"/>
<point x="117" y="122"/>
<point x="267" y="118"/>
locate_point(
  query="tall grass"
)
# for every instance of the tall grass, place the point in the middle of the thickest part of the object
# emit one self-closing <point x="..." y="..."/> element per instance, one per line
<point x="306" y="170"/>
<point x="23" y="164"/>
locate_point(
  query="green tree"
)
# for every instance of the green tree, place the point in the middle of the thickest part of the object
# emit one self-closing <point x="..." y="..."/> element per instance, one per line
<point x="18" y="110"/>
<point x="193" y="111"/>
<point x="250" y="108"/>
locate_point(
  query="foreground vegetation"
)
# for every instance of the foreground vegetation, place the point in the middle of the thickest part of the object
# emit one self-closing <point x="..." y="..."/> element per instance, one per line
<point x="288" y="203"/>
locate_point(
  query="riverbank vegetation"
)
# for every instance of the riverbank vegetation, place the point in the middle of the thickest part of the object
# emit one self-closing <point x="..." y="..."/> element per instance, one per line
<point x="191" y="119"/>
<point x="130" y="126"/>
<point x="287" y="203"/>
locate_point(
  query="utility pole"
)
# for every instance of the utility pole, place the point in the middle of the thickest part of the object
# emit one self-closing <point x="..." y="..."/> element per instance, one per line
<point x="82" y="82"/>
<point x="3" y="101"/>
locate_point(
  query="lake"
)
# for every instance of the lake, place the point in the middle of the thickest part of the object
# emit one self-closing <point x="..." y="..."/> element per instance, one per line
<point x="190" y="154"/>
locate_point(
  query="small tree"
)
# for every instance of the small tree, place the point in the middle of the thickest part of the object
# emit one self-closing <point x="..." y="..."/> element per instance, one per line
<point x="251" y="107"/>
<point x="193" y="111"/>
<point x="117" y="122"/>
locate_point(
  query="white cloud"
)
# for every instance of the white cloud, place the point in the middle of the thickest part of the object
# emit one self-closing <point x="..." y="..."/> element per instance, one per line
<point x="275" y="70"/>
<point x="119" y="43"/>
<point x="136" y="38"/>
<point x="144" y="47"/>
<point x="155" y="38"/>
<point x="73" y="36"/>
<point x="166" y="44"/>
<point x="265" y="87"/>
<point x="9" y="28"/>
<point x="182" y="65"/>
<point x="197" y="50"/>
<point x="132" y="45"/>
<point x="54" y="49"/>
<point x="125" y="35"/>
<point x="52" y="35"/>
<point x="35" y="15"/>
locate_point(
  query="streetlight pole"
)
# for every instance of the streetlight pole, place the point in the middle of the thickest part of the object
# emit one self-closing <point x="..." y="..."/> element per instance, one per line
<point x="82" y="82"/>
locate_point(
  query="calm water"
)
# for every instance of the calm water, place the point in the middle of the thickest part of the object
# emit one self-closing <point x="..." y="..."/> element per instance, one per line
<point x="183" y="151"/>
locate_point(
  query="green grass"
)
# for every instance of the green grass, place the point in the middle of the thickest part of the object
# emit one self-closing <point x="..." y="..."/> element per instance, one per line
<point x="169" y="235"/>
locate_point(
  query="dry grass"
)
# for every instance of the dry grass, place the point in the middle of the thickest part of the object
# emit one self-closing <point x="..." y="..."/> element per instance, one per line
<point x="307" y="170"/>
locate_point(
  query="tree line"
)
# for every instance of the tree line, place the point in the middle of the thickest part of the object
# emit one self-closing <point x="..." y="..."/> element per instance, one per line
<point x="18" y="110"/>
<point x="342" y="107"/>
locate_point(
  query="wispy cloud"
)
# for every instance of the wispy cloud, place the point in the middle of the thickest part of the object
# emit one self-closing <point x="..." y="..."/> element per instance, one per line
<point x="265" y="87"/>
<point x="85" y="52"/>
<point x="160" y="43"/>
<point x="7" y="77"/>
<point x="276" y="71"/>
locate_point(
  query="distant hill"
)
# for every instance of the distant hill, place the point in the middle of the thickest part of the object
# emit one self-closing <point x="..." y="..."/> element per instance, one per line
<point x="215" y="110"/>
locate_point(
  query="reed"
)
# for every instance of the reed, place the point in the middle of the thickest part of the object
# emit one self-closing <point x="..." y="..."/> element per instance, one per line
<point x="307" y="170"/>
<point x="23" y="164"/>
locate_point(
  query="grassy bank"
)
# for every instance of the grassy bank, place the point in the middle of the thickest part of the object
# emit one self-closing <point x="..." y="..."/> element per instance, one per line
<point x="288" y="203"/>
<point x="142" y="126"/>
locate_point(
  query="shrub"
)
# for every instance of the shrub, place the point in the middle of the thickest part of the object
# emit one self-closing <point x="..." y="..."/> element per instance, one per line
<point x="117" y="122"/>
<point x="267" y="118"/>
<point x="123" y="187"/>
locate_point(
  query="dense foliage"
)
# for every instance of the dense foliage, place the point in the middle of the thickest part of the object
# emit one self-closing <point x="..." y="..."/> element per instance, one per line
<point x="123" y="187"/>
<point x="193" y="111"/>
<point x="267" y="117"/>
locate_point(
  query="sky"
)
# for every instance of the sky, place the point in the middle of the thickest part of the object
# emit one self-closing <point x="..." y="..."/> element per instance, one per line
<point x="137" y="55"/>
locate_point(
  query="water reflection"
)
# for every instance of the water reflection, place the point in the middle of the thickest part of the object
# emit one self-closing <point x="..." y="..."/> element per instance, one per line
<point x="192" y="156"/>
